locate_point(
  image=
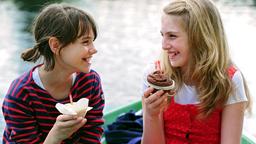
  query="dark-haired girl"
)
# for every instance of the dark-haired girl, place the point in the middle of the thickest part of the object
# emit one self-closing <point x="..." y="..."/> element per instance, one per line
<point x="64" y="37"/>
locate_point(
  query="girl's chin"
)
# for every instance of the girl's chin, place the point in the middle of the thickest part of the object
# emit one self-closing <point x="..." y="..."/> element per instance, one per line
<point x="87" y="70"/>
<point x="174" y="64"/>
<point x="83" y="69"/>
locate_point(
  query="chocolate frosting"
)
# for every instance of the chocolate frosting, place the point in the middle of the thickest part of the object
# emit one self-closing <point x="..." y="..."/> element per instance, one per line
<point x="159" y="79"/>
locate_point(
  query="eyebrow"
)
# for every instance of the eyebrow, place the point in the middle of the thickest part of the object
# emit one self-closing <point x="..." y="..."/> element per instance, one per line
<point x="86" y="37"/>
<point x="170" y="32"/>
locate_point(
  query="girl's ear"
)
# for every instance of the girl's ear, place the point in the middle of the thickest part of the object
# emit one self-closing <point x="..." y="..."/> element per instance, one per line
<point x="54" y="45"/>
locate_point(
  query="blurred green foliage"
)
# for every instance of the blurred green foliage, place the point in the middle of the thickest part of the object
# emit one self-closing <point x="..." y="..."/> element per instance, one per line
<point x="33" y="5"/>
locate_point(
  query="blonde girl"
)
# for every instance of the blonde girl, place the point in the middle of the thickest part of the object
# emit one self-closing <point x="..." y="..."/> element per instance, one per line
<point x="211" y="93"/>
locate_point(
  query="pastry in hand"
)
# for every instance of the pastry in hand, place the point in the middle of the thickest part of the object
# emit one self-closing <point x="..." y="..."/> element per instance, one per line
<point x="79" y="108"/>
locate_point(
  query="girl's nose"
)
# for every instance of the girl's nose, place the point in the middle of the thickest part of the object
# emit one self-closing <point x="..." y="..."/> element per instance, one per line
<point x="92" y="50"/>
<point x="165" y="44"/>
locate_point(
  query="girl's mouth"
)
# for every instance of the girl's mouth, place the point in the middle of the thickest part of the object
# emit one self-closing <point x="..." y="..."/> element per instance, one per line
<point x="87" y="60"/>
<point x="173" y="54"/>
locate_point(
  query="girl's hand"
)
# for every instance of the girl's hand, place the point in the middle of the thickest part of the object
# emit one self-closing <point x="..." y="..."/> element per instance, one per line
<point x="64" y="127"/>
<point x="154" y="103"/>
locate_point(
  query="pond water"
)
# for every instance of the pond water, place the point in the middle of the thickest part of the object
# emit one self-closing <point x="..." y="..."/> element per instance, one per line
<point x="128" y="40"/>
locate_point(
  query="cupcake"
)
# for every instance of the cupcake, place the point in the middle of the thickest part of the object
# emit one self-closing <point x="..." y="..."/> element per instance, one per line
<point x="159" y="81"/>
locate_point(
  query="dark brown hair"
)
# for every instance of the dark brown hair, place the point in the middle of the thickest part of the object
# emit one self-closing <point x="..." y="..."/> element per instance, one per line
<point x="64" y="22"/>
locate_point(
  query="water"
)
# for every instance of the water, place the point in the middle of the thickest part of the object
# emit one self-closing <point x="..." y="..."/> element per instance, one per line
<point x="128" y="39"/>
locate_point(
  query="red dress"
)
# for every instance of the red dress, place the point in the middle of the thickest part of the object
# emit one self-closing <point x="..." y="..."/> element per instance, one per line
<point x="181" y="125"/>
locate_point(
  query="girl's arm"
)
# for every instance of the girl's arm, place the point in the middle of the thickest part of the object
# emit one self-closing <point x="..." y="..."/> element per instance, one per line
<point x="153" y="105"/>
<point x="232" y="123"/>
<point x="93" y="130"/>
<point x="153" y="131"/>
<point x="21" y="126"/>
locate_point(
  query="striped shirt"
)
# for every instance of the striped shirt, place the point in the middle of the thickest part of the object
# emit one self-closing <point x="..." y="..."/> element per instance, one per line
<point x="30" y="112"/>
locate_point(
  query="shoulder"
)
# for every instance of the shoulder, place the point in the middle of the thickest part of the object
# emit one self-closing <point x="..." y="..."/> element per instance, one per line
<point x="237" y="78"/>
<point x="239" y="94"/>
<point x="92" y="76"/>
<point x="19" y="84"/>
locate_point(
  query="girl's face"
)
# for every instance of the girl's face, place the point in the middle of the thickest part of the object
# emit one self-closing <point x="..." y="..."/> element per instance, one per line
<point x="76" y="56"/>
<point x="175" y="40"/>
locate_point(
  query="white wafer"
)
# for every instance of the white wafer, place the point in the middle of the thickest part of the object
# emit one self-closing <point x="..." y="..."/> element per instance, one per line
<point x="163" y="87"/>
<point x="79" y="108"/>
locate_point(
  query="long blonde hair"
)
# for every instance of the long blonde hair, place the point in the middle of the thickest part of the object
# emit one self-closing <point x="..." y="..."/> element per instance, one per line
<point x="209" y="56"/>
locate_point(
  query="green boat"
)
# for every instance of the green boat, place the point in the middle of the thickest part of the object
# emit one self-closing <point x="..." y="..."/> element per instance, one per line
<point x="111" y="116"/>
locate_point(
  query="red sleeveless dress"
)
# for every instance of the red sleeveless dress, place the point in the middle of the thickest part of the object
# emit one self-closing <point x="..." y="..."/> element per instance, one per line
<point x="181" y="125"/>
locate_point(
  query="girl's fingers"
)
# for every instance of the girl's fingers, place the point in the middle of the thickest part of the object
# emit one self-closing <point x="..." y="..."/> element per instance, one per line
<point x="159" y="102"/>
<point x="66" y="117"/>
<point x="72" y="122"/>
<point x="81" y="123"/>
<point x="148" y="92"/>
<point x="152" y="98"/>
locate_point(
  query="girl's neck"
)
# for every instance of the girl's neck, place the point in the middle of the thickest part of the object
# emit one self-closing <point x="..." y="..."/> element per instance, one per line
<point x="55" y="76"/>
<point x="57" y="82"/>
<point x="187" y="79"/>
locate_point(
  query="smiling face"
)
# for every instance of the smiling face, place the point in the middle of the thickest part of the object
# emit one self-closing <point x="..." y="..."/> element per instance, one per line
<point x="76" y="56"/>
<point x="175" y="40"/>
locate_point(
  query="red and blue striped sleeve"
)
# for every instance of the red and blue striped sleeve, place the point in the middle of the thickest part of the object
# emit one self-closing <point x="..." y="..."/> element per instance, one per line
<point x="92" y="131"/>
<point x="21" y="126"/>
